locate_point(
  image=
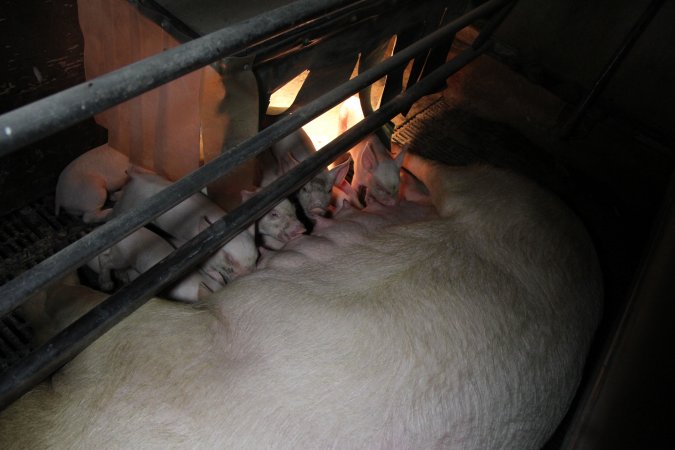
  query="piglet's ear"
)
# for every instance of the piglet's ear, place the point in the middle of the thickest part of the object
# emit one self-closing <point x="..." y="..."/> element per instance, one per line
<point x="368" y="158"/>
<point x="287" y="162"/>
<point x="339" y="172"/>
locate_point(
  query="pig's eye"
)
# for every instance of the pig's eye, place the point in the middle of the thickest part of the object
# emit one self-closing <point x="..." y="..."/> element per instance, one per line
<point x="274" y="214"/>
<point x="305" y="189"/>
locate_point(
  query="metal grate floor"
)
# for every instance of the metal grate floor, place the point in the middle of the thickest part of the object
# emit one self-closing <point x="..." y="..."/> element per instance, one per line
<point x="28" y="236"/>
<point x="15" y="340"/>
<point x="33" y="233"/>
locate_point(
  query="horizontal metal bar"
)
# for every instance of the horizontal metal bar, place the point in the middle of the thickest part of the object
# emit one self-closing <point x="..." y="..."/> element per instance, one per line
<point x="58" y="265"/>
<point x="39" y="119"/>
<point x="63" y="347"/>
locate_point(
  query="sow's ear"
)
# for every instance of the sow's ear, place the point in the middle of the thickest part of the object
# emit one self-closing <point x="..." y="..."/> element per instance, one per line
<point x="368" y="158"/>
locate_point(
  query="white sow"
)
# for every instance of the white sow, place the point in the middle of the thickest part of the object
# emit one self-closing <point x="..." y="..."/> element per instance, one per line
<point x="391" y="327"/>
<point x="83" y="186"/>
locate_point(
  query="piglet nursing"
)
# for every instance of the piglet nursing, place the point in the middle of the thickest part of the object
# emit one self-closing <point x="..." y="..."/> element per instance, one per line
<point x="376" y="174"/>
<point x="460" y="325"/>
<point x="279" y="225"/>
<point x="315" y="196"/>
<point x="84" y="185"/>
<point x="137" y="253"/>
<point x="186" y="220"/>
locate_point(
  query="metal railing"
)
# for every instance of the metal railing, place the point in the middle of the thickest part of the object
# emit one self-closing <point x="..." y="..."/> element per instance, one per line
<point x="39" y="364"/>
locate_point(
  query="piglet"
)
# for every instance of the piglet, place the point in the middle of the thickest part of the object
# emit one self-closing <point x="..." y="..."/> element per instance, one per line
<point x="279" y="225"/>
<point x="314" y="196"/>
<point x="187" y="219"/>
<point x="376" y="174"/>
<point x="83" y="186"/>
<point x="138" y="252"/>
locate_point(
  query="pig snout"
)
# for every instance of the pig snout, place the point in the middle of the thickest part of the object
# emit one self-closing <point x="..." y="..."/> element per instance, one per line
<point x="315" y="196"/>
<point x="317" y="211"/>
<point x="316" y="205"/>
<point x="386" y="199"/>
<point x="281" y="223"/>
<point x="293" y="230"/>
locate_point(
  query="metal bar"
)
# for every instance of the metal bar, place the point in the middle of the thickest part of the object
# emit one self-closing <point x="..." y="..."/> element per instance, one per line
<point x="39" y="119"/>
<point x="63" y="347"/>
<point x="599" y="85"/>
<point x="58" y="265"/>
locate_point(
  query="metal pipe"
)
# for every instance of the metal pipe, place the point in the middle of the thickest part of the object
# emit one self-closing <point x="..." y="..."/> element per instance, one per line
<point x="64" y="346"/>
<point x="39" y="119"/>
<point x="630" y="39"/>
<point x="68" y="259"/>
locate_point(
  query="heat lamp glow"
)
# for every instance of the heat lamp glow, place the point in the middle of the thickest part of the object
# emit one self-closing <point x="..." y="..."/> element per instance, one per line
<point x="321" y="130"/>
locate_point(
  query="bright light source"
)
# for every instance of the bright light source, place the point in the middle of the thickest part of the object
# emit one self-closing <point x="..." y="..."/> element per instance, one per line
<point x="284" y="97"/>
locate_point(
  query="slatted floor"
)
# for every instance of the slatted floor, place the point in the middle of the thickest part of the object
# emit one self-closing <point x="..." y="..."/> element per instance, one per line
<point x="32" y="233"/>
<point x="28" y="236"/>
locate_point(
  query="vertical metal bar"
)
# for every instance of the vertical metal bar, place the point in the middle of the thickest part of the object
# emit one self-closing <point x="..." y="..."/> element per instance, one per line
<point x="599" y="85"/>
